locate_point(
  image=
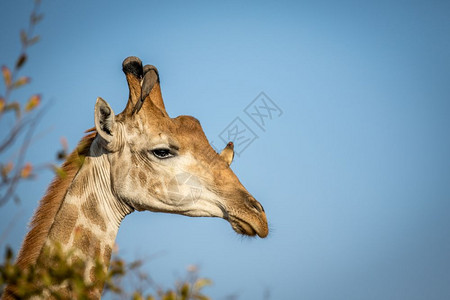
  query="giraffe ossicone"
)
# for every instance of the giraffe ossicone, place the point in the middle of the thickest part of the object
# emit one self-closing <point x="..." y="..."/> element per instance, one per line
<point x="140" y="159"/>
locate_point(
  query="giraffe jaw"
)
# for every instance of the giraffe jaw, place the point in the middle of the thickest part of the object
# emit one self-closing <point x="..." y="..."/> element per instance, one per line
<point x="246" y="228"/>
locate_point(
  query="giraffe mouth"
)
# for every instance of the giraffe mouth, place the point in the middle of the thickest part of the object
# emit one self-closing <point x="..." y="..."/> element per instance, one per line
<point x="244" y="227"/>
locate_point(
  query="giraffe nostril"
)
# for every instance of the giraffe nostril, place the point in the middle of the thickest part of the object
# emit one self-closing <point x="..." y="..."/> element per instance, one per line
<point x="261" y="207"/>
<point x="256" y="205"/>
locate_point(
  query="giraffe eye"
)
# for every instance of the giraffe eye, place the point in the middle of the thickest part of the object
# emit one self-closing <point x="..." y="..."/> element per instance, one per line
<point x="162" y="153"/>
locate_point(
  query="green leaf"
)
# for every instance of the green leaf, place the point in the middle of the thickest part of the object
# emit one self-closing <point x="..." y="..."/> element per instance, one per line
<point x="137" y="296"/>
<point x="184" y="290"/>
<point x="170" y="295"/>
<point x="201" y="283"/>
<point x="59" y="171"/>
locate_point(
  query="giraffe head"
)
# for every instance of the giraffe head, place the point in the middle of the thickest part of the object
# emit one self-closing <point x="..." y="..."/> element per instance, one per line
<point x="164" y="164"/>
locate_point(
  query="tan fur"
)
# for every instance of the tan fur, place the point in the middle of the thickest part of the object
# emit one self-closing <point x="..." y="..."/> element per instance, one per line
<point x="87" y="242"/>
<point x="64" y="223"/>
<point x="142" y="178"/>
<point x="134" y="159"/>
<point x="77" y="188"/>
<point x="50" y="204"/>
<point x="134" y="85"/>
<point x="90" y="210"/>
<point x="156" y="97"/>
<point x="154" y="186"/>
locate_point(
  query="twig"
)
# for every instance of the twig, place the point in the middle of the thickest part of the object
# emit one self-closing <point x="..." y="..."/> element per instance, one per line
<point x="20" y="161"/>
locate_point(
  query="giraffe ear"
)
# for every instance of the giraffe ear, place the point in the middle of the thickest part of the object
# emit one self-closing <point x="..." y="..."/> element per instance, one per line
<point x="104" y="120"/>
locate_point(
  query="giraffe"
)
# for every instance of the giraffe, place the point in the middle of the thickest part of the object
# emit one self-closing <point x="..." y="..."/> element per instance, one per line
<point x="128" y="163"/>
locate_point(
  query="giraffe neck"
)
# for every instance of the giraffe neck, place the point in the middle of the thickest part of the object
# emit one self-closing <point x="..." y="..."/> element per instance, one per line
<point x="90" y="215"/>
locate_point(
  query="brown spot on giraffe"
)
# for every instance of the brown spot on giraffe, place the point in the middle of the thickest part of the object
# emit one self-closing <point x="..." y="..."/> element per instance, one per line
<point x="64" y="223"/>
<point x="91" y="211"/>
<point x="78" y="186"/>
<point x="142" y="178"/>
<point x="155" y="187"/>
<point x="134" y="160"/>
<point x="87" y="242"/>
<point x="134" y="173"/>
<point x="107" y="254"/>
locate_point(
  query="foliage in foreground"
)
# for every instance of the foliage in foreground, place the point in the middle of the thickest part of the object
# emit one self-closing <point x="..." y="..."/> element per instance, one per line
<point x="67" y="271"/>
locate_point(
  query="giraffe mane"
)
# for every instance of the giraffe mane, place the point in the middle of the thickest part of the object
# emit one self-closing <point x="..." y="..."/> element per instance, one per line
<point x="50" y="204"/>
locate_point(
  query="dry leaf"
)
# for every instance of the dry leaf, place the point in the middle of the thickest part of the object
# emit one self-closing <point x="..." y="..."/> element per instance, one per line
<point x="26" y="171"/>
<point x="33" y="102"/>
<point x="6" y="76"/>
<point x="21" y="81"/>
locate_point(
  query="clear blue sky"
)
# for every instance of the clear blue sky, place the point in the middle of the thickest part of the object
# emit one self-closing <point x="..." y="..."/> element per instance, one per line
<point x="354" y="175"/>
